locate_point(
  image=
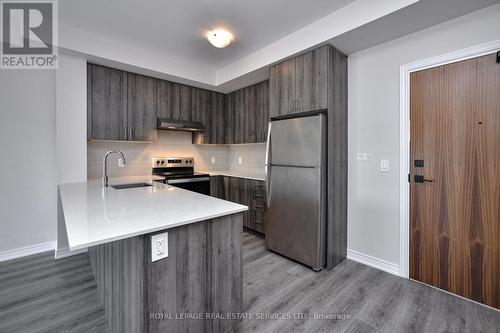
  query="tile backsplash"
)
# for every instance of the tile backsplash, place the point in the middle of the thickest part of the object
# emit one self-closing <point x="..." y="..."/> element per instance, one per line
<point x="247" y="158"/>
<point x="139" y="155"/>
<point x="173" y="144"/>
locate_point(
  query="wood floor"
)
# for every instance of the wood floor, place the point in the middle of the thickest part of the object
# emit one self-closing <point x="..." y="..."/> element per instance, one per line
<point x="38" y="294"/>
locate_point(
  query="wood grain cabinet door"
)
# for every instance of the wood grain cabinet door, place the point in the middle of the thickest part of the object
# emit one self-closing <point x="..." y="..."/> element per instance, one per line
<point x="106" y="103"/>
<point x="282" y="88"/>
<point x="304" y="83"/>
<point x="216" y="134"/>
<point x="455" y="178"/>
<point x="261" y="111"/>
<point x="142" y="107"/>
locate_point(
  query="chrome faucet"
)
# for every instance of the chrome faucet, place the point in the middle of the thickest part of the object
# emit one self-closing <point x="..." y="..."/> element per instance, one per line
<point x="104" y="178"/>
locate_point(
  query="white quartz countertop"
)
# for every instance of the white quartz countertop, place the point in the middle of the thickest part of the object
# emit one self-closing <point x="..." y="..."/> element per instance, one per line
<point x="94" y="215"/>
<point x="237" y="173"/>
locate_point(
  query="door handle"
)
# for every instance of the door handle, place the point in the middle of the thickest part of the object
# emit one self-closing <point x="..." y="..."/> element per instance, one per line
<point x="421" y="179"/>
<point x="267" y="167"/>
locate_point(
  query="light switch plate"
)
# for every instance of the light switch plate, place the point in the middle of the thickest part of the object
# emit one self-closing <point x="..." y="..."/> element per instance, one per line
<point x="384" y="165"/>
<point x="212" y="160"/>
<point x="159" y="246"/>
<point x="240" y="159"/>
<point x="363" y="156"/>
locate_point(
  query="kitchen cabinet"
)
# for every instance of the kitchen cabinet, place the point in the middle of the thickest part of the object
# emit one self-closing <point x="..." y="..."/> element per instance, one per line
<point x="247" y="114"/>
<point x="300" y="84"/>
<point x="120" y="105"/>
<point x="174" y="100"/>
<point x="125" y="106"/>
<point x="208" y="108"/>
<point x="247" y="192"/>
<point x="107" y="117"/>
<point x="142" y="107"/>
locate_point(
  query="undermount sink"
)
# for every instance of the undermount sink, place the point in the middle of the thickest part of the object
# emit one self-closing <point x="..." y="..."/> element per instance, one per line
<point x="126" y="186"/>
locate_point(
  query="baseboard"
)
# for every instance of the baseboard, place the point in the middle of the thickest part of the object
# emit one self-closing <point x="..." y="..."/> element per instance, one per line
<point x="27" y="251"/>
<point x="65" y="252"/>
<point x="374" y="262"/>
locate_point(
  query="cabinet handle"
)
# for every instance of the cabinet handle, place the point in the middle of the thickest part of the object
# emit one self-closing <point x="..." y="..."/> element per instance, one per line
<point x="259" y="206"/>
<point x="130" y="135"/>
<point x="126" y="133"/>
<point x="258" y="221"/>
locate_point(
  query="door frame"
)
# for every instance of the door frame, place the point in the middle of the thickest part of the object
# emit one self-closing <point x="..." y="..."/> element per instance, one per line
<point x="404" y="136"/>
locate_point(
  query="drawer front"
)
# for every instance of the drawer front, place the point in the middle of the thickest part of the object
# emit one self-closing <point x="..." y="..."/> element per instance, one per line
<point x="259" y="190"/>
<point x="259" y="205"/>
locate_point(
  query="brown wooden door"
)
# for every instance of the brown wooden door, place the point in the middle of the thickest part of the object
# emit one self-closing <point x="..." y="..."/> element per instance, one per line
<point x="455" y="219"/>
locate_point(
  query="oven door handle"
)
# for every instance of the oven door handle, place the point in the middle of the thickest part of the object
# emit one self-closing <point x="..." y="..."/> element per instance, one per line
<point x="188" y="180"/>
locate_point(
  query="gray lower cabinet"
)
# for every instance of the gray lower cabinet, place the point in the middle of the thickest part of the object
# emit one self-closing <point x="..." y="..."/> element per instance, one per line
<point x="202" y="276"/>
<point x="247" y="192"/>
<point x="120" y="105"/>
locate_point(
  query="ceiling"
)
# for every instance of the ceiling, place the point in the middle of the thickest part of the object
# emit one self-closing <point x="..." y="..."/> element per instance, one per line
<point x="177" y="28"/>
<point x="418" y="16"/>
<point x="165" y="39"/>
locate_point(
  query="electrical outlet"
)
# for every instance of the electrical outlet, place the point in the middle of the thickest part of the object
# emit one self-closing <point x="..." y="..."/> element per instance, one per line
<point x="159" y="246"/>
<point x="121" y="163"/>
<point x="240" y="160"/>
<point x="212" y="160"/>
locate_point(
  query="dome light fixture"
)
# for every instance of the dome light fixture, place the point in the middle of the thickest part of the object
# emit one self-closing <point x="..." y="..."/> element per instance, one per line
<point x="219" y="38"/>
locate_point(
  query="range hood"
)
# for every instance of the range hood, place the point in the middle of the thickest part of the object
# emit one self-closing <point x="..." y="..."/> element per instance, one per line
<point x="179" y="125"/>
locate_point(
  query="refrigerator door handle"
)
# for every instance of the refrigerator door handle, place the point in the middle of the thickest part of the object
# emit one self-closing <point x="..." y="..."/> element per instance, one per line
<point x="267" y="167"/>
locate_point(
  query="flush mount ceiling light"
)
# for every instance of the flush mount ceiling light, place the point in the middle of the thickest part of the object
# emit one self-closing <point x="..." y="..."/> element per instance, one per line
<point x="219" y="38"/>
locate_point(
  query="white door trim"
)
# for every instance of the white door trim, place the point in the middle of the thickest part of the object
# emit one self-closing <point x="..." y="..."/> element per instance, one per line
<point x="404" y="136"/>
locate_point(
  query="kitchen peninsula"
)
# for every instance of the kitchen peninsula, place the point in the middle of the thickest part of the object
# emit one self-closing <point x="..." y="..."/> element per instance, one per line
<point x="201" y="275"/>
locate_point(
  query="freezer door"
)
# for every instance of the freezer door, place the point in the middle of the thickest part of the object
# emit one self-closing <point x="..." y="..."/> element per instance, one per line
<point x="298" y="141"/>
<point x="296" y="214"/>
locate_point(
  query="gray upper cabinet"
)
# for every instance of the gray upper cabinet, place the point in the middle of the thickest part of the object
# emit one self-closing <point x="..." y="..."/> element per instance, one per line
<point x="207" y="107"/>
<point x="125" y="106"/>
<point x="121" y="106"/>
<point x="300" y="84"/>
<point x="142" y="107"/>
<point x="107" y="117"/>
<point x="174" y="100"/>
<point x="247" y="114"/>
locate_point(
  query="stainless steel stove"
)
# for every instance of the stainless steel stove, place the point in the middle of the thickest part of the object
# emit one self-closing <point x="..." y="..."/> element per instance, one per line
<point x="179" y="172"/>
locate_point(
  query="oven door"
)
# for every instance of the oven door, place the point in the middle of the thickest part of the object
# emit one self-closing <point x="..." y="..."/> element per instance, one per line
<point x="196" y="184"/>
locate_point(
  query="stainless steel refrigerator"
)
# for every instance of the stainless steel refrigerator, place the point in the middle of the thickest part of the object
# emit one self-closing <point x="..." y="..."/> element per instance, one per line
<point x="296" y="189"/>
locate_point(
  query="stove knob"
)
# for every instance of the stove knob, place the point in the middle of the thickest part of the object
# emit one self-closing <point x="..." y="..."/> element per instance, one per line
<point x="162" y="162"/>
<point x="158" y="162"/>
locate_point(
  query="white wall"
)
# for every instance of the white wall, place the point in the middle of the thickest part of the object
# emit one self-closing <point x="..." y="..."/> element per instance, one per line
<point x="71" y="119"/>
<point x="252" y="158"/>
<point x="373" y="221"/>
<point x="71" y="131"/>
<point x="28" y="194"/>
